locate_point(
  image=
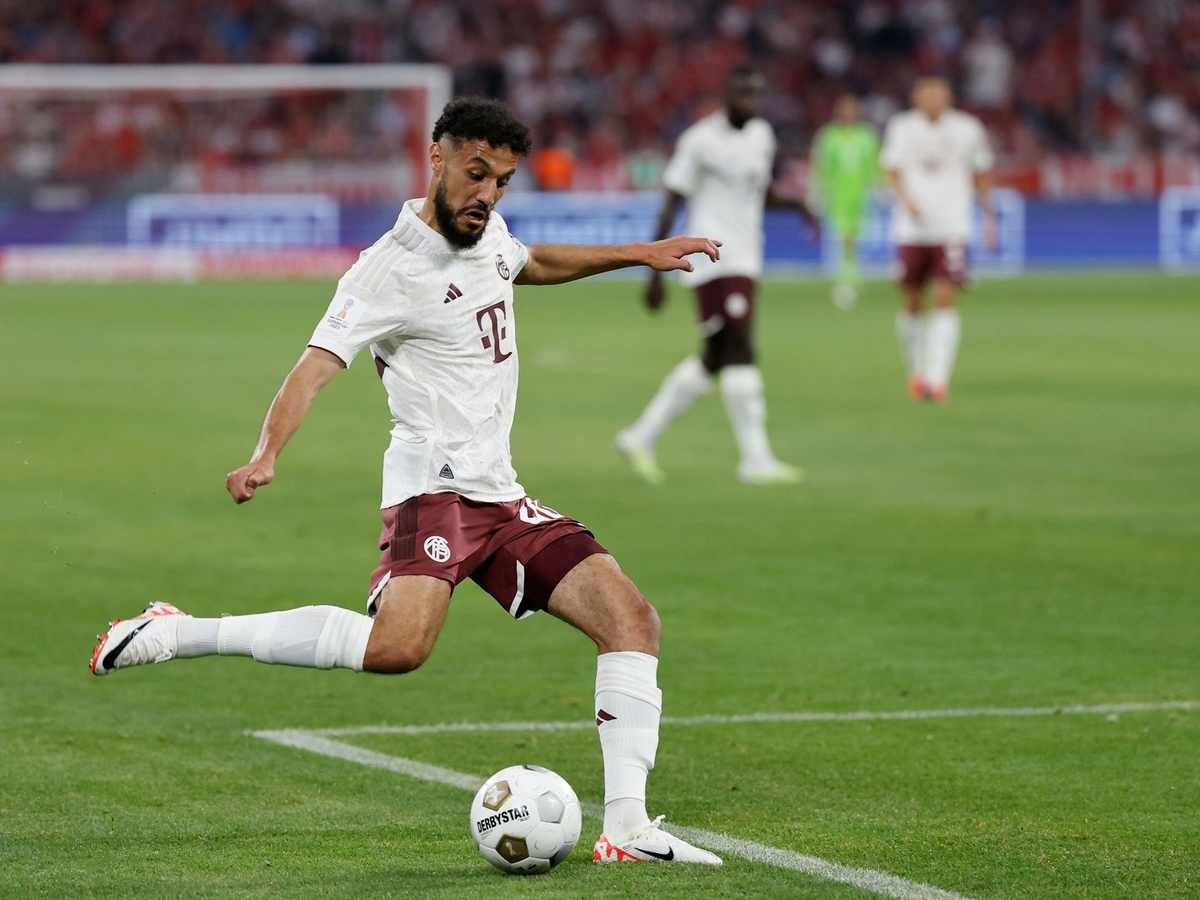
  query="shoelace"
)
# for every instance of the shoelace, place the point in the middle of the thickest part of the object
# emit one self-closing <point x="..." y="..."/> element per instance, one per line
<point x="648" y="830"/>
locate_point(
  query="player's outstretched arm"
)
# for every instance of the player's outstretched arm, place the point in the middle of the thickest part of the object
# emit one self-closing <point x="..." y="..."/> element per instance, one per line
<point x="314" y="370"/>
<point x="556" y="263"/>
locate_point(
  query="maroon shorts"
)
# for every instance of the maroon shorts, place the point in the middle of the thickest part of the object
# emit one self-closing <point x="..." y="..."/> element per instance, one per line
<point x="725" y="301"/>
<point x="922" y="263"/>
<point x="517" y="551"/>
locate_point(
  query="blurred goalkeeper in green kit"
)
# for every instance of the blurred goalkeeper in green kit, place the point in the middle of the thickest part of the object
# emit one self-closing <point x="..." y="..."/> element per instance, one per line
<point x="845" y="166"/>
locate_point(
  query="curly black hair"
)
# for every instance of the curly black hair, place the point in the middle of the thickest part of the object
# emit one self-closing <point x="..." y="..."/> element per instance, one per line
<point x="480" y="119"/>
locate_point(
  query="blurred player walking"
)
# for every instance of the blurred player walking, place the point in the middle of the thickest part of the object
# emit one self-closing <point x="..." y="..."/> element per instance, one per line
<point x="723" y="169"/>
<point x="935" y="156"/>
<point x="433" y="300"/>
<point x="845" y="166"/>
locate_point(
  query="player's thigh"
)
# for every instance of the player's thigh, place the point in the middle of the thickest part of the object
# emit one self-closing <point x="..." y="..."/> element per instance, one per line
<point x="727" y="322"/>
<point x="949" y="273"/>
<point x="602" y="602"/>
<point x="411" y="610"/>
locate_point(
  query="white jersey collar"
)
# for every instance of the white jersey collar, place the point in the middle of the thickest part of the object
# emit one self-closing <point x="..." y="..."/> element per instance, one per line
<point x="411" y="231"/>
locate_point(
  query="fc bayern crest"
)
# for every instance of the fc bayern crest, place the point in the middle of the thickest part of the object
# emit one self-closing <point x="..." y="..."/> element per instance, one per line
<point x="502" y="267"/>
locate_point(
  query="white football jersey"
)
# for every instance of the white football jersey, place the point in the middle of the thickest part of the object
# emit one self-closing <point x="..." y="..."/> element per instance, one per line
<point x="937" y="162"/>
<point x="439" y="321"/>
<point x="724" y="173"/>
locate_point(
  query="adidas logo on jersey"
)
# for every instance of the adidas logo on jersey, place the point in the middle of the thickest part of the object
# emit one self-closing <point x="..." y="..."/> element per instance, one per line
<point x="446" y="472"/>
<point x="453" y="293"/>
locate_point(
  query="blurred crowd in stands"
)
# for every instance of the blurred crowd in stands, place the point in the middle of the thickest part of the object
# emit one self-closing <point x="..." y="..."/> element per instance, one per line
<point x="609" y="84"/>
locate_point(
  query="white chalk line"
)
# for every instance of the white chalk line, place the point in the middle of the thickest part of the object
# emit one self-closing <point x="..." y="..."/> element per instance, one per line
<point x="882" y="883"/>
<point x="860" y="716"/>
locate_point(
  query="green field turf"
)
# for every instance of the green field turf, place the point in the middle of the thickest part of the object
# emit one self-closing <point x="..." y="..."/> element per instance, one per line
<point x="1036" y="542"/>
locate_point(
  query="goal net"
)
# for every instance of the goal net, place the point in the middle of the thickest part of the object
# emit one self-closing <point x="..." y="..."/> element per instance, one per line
<point x="187" y="172"/>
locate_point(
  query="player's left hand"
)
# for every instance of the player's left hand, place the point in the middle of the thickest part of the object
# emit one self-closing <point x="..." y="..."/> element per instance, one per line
<point x="668" y="255"/>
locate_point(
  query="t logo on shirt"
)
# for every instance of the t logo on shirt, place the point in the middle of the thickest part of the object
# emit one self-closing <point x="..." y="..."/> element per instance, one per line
<point x="497" y="316"/>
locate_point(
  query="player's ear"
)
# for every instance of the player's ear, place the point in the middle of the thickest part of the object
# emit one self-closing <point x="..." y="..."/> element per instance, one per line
<point x="435" y="157"/>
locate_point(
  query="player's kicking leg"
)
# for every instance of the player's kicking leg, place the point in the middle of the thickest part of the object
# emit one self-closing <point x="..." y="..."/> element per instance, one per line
<point x="399" y="638"/>
<point x="599" y="600"/>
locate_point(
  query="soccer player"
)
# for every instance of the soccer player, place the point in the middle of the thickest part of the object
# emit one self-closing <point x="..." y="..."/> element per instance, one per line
<point x="935" y="157"/>
<point x="433" y="299"/>
<point x="845" y="166"/>
<point x="722" y="169"/>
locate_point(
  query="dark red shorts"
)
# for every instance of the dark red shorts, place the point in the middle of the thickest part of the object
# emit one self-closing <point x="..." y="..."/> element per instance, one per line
<point x="922" y="263"/>
<point x="517" y="551"/>
<point x="725" y="301"/>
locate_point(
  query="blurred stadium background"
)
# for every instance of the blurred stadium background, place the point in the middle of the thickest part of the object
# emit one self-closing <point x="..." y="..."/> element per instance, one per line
<point x="1092" y="105"/>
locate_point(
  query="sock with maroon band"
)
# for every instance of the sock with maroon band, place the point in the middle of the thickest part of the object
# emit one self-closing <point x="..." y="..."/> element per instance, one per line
<point x="628" y="706"/>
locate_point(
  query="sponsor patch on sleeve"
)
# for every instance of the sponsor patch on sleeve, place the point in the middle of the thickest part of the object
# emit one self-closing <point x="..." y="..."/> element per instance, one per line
<point x="343" y="314"/>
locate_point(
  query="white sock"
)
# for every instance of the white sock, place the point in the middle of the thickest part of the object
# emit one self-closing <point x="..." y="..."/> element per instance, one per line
<point x="628" y="706"/>
<point x="315" y="637"/>
<point x="942" y="335"/>
<point x="908" y="333"/>
<point x="746" y="406"/>
<point x="685" y="384"/>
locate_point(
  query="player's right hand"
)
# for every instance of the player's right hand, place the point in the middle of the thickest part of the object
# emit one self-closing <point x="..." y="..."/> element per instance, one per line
<point x="242" y="483"/>
<point x="655" y="294"/>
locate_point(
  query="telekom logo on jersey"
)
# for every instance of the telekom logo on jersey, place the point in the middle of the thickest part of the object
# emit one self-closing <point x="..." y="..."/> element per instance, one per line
<point x="492" y="321"/>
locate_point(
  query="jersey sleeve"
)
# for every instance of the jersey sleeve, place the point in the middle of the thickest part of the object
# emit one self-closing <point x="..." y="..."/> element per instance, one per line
<point x="515" y="253"/>
<point x="353" y="322"/>
<point x="682" y="172"/>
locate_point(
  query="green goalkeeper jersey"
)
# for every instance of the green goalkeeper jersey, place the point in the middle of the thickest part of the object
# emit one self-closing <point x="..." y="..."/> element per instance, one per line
<point x="845" y="167"/>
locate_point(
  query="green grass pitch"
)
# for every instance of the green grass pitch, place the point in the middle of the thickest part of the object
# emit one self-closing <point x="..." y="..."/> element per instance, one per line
<point x="1035" y="542"/>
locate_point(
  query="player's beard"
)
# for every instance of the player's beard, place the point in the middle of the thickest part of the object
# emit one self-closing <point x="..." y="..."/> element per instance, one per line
<point x="445" y="215"/>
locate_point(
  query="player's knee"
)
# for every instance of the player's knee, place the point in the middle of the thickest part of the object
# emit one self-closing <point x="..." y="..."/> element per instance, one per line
<point x="636" y="626"/>
<point x="396" y="657"/>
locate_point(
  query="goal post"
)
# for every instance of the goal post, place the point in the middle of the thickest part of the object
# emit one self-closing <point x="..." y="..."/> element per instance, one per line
<point x="329" y="151"/>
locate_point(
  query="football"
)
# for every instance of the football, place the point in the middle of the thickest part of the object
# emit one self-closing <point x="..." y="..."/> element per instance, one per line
<point x="525" y="820"/>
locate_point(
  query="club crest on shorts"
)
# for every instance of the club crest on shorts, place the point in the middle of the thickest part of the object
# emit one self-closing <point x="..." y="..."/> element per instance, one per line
<point x="502" y="267"/>
<point x="437" y="548"/>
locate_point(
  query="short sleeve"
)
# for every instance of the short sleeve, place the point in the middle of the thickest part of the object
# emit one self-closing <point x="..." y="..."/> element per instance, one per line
<point x="982" y="158"/>
<point x="892" y="155"/>
<point x="515" y="254"/>
<point x="682" y="172"/>
<point x="352" y="323"/>
<point x="520" y="255"/>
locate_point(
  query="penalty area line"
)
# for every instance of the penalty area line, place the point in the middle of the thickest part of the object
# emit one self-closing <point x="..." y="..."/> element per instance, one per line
<point x="1102" y="709"/>
<point x="882" y="883"/>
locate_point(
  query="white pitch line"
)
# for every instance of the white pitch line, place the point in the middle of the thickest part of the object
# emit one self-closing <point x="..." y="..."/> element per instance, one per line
<point x="882" y="883"/>
<point x="860" y="716"/>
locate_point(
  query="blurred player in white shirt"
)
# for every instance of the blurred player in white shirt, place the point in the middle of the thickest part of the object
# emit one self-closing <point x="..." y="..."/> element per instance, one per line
<point x="935" y="157"/>
<point x="723" y="169"/>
